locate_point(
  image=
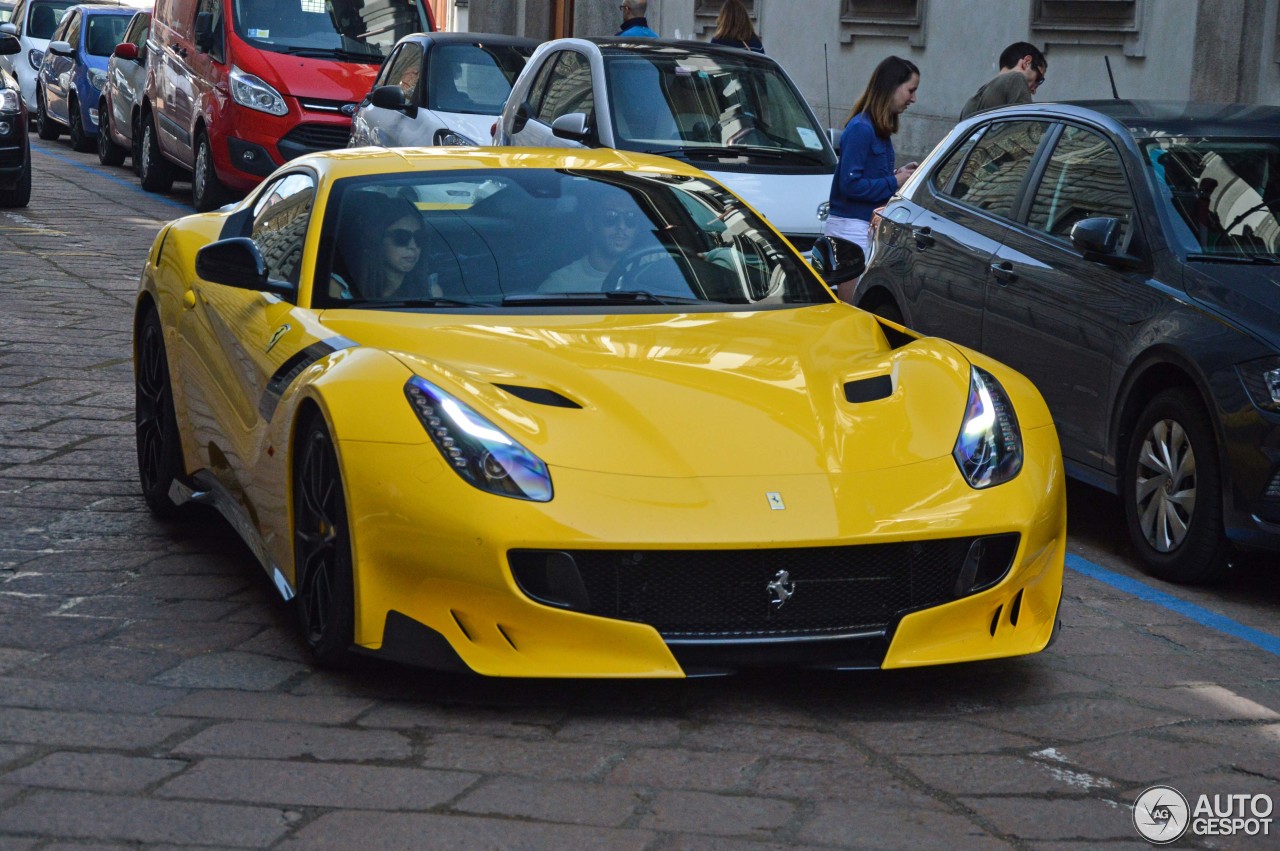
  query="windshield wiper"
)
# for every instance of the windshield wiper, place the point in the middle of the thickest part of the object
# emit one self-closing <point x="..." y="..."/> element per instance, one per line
<point x="1252" y="259"/>
<point x="610" y="297"/>
<point x="410" y="302"/>
<point x="332" y="52"/>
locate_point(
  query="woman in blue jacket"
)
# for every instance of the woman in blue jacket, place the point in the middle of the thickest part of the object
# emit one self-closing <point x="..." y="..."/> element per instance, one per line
<point x="865" y="177"/>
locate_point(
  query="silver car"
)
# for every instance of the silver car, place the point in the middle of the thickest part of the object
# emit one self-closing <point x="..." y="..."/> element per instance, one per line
<point x="119" y="109"/>
<point x="440" y="89"/>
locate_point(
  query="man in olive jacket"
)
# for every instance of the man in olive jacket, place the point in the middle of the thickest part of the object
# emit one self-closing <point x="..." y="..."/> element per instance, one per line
<point x="1022" y="68"/>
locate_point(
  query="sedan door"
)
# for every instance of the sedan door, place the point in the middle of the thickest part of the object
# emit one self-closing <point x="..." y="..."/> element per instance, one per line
<point x="1058" y="317"/>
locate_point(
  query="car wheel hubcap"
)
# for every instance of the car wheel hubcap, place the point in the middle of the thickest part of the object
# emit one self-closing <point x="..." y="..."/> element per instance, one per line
<point x="1165" y="489"/>
<point x="317" y="534"/>
<point x="202" y="163"/>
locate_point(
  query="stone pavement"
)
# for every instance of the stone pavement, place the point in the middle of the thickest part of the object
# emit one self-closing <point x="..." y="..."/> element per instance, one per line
<point x="154" y="692"/>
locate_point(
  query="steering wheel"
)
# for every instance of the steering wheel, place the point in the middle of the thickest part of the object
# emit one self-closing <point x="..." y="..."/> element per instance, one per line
<point x="636" y="264"/>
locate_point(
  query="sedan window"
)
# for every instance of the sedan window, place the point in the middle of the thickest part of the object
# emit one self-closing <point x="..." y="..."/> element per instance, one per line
<point x="992" y="176"/>
<point x="473" y="78"/>
<point x="568" y="90"/>
<point x="404" y="70"/>
<point x="1083" y="179"/>
<point x="280" y="219"/>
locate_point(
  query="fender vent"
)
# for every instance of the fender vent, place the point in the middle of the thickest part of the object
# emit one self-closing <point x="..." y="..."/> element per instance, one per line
<point x="995" y="620"/>
<point x="539" y="396"/>
<point x="1016" y="608"/>
<point x="869" y="389"/>
<point x="895" y="338"/>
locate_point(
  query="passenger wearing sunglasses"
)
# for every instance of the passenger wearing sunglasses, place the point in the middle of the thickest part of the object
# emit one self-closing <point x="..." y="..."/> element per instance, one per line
<point x="381" y="245"/>
<point x="612" y="226"/>
<point x="1022" y="68"/>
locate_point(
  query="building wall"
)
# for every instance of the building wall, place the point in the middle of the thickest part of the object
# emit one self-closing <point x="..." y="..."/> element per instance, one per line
<point x="1214" y="50"/>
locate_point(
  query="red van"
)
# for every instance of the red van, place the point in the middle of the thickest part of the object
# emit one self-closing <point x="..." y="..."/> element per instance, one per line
<point x="237" y="87"/>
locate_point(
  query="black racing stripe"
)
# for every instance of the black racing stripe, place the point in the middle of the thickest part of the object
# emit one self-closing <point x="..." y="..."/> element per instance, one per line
<point x="288" y="371"/>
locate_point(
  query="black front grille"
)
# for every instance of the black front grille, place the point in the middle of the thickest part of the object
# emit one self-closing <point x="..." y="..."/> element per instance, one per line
<point x="306" y="138"/>
<point x="724" y="594"/>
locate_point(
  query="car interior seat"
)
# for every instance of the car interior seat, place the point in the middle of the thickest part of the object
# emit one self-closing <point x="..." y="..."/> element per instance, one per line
<point x="43" y="22"/>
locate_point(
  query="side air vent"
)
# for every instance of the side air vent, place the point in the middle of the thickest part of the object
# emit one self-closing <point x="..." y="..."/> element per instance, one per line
<point x="539" y="396"/>
<point x="869" y="389"/>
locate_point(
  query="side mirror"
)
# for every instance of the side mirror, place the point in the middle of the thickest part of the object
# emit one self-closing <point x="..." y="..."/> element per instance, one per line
<point x="523" y="111"/>
<point x="8" y="28"/>
<point x="836" y="260"/>
<point x="126" y="50"/>
<point x="235" y="262"/>
<point x="572" y="126"/>
<point x="204" y="32"/>
<point x="1099" y="235"/>
<point x="9" y="43"/>
<point x="388" y="97"/>
<point x="61" y="48"/>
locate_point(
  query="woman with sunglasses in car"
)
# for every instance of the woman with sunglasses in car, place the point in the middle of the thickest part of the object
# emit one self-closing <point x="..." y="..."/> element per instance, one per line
<point x="381" y="244"/>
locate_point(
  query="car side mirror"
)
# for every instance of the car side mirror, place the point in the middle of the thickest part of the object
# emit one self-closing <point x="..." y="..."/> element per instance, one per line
<point x="523" y="111"/>
<point x="61" y="48"/>
<point x="8" y="29"/>
<point x="126" y="50"/>
<point x="204" y="32"/>
<point x="236" y="262"/>
<point x="389" y="97"/>
<point x="1100" y="235"/>
<point x="837" y="260"/>
<point x="572" y="126"/>
<point x="9" y="44"/>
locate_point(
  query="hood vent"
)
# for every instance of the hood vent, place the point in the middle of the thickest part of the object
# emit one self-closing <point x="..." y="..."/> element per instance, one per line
<point x="539" y="396"/>
<point x="896" y="339"/>
<point x="869" y="389"/>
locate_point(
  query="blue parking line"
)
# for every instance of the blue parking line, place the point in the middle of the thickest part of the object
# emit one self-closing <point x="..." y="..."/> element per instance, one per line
<point x="1202" y="616"/>
<point x="125" y="183"/>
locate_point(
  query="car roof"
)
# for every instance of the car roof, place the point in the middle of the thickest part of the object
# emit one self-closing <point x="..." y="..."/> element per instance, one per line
<point x="354" y="162"/>
<point x="614" y="45"/>
<point x="1144" y="119"/>
<point x="470" y="38"/>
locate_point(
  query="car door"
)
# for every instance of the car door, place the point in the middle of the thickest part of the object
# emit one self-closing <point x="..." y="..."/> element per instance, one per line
<point x="956" y="237"/>
<point x="128" y="76"/>
<point x="562" y="86"/>
<point x="393" y="127"/>
<point x="1052" y="314"/>
<point x="57" y="70"/>
<point x="239" y="341"/>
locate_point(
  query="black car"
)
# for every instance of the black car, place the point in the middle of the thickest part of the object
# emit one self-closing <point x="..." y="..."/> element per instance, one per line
<point x="1125" y="256"/>
<point x="15" y="148"/>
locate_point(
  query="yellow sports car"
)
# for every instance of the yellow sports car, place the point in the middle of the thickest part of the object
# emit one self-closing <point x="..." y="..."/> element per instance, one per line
<point x="584" y="414"/>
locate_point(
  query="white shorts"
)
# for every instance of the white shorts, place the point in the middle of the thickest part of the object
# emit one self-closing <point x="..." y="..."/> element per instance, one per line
<point x="857" y="231"/>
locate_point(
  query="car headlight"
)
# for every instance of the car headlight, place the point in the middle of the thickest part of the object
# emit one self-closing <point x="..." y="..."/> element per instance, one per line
<point x="35" y="57"/>
<point x="989" y="448"/>
<point x="8" y="100"/>
<point x="248" y="90"/>
<point x="451" y="137"/>
<point x="1262" y="379"/>
<point x="97" y="79"/>
<point x="478" y="450"/>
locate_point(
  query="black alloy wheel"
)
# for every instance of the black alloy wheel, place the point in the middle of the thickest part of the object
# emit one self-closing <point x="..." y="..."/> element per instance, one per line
<point x="19" y="195"/>
<point x="322" y="547"/>
<point x="1172" y="491"/>
<point x="207" y="191"/>
<point x="46" y="128"/>
<point x="155" y="422"/>
<point x="154" y="171"/>
<point x="109" y="153"/>
<point x="80" y="140"/>
<point x="135" y="144"/>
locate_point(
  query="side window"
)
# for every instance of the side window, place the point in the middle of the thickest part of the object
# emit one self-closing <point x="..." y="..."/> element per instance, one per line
<point x="992" y="176"/>
<point x="404" y="71"/>
<point x="19" y="18"/>
<point x="280" y="219"/>
<point x="942" y="177"/>
<point x="538" y="88"/>
<point x="60" y="31"/>
<point x="569" y="89"/>
<point x="137" y="35"/>
<point x="213" y="8"/>
<point x="71" y="31"/>
<point x="1084" y="178"/>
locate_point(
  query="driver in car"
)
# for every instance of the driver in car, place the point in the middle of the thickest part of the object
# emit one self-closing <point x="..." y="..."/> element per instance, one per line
<point x="612" y="226"/>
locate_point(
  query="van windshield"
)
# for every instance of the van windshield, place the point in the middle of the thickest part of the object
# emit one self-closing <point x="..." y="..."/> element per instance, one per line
<point x="347" y="30"/>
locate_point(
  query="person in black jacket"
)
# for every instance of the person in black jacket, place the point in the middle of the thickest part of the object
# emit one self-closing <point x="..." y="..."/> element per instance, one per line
<point x="734" y="29"/>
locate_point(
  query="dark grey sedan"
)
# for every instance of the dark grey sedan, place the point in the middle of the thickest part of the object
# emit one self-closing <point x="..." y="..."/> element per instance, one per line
<point x="1125" y="256"/>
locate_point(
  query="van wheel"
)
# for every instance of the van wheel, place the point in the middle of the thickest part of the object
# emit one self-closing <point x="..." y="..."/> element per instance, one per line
<point x="45" y="127"/>
<point x="154" y="170"/>
<point x="80" y="140"/>
<point x="1172" y="491"/>
<point x="109" y="153"/>
<point x="207" y="191"/>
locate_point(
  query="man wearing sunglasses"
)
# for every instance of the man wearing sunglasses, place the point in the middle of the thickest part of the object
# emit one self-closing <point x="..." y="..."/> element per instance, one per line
<point x="1022" y="68"/>
<point x="612" y="225"/>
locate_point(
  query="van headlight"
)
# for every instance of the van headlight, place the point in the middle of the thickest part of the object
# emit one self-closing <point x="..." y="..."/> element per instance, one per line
<point x="989" y="448"/>
<point x="475" y="448"/>
<point x="248" y="90"/>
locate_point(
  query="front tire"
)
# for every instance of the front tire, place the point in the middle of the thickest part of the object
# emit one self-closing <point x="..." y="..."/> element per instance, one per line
<point x="155" y="421"/>
<point x="207" y="191"/>
<point x="46" y="128"/>
<point x="20" y="194"/>
<point x="154" y="171"/>
<point x="1172" y="491"/>
<point x="322" y="547"/>
<point x="80" y="140"/>
<point x="109" y="153"/>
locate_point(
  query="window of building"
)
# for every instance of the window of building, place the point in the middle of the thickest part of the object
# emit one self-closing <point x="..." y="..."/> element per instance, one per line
<point x="903" y="18"/>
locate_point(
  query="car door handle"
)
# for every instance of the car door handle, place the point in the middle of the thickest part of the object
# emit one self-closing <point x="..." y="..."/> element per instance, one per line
<point x="1003" y="272"/>
<point x="923" y="237"/>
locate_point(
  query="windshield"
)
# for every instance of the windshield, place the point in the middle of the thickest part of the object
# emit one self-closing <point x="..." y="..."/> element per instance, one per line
<point x="44" y="17"/>
<point x="104" y="33"/>
<point x="665" y="102"/>
<point x="1224" y="193"/>
<point x="351" y="30"/>
<point x="473" y="78"/>
<point x="542" y="237"/>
